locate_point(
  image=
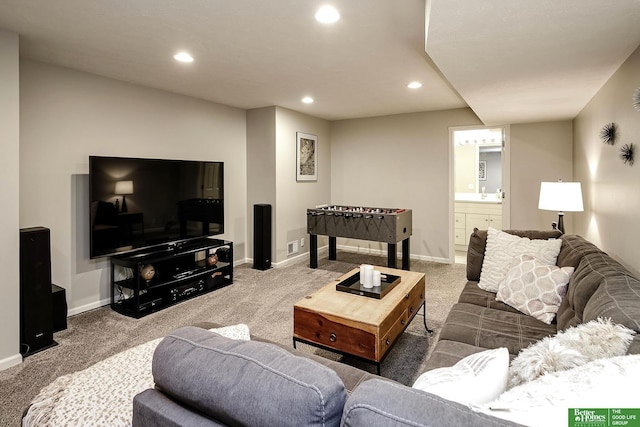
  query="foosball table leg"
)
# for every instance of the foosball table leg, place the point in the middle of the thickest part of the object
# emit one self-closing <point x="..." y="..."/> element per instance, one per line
<point x="391" y="255"/>
<point x="332" y="248"/>
<point x="313" y="251"/>
<point x="405" y="254"/>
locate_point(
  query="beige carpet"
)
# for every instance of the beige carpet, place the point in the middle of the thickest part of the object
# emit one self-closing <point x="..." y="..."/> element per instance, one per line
<point x="261" y="299"/>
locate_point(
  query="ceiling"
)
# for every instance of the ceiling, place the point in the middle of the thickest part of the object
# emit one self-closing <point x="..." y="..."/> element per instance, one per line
<point x="509" y="60"/>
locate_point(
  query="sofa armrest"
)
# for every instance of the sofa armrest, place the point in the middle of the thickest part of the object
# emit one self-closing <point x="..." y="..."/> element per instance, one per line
<point x="383" y="403"/>
<point x="152" y="408"/>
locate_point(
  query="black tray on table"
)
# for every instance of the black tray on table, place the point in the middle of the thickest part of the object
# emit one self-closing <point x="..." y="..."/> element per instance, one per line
<point x="352" y="285"/>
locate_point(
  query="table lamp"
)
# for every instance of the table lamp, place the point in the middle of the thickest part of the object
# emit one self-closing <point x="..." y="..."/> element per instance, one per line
<point x="122" y="188"/>
<point x="561" y="197"/>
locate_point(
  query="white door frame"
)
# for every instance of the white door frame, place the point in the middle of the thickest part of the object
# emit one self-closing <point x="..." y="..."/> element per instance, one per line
<point x="506" y="180"/>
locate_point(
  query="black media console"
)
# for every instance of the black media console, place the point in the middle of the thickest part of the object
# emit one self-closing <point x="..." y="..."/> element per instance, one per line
<point x="149" y="280"/>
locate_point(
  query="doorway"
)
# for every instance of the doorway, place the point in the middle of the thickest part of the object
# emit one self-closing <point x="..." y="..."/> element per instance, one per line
<point x="479" y="183"/>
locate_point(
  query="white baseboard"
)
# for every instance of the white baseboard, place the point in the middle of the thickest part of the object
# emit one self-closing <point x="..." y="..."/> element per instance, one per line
<point x="87" y="307"/>
<point x="370" y="251"/>
<point x="10" y="361"/>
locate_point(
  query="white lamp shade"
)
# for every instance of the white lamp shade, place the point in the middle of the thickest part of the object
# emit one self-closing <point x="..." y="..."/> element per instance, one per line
<point x="124" y="187"/>
<point x="561" y="197"/>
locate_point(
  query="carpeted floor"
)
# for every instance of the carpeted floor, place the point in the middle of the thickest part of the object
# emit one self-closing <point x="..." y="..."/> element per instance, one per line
<point x="261" y="299"/>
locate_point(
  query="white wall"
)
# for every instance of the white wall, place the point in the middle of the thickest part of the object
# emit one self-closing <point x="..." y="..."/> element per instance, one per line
<point x="539" y="152"/>
<point x="9" y="176"/>
<point x="399" y="161"/>
<point x="611" y="188"/>
<point x="293" y="198"/>
<point x="67" y="115"/>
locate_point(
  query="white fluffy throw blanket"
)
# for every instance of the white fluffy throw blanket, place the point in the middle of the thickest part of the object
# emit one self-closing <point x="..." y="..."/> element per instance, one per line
<point x="102" y="395"/>
<point x="603" y="383"/>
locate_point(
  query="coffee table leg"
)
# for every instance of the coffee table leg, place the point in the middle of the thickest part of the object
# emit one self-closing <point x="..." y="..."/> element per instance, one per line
<point x="424" y="317"/>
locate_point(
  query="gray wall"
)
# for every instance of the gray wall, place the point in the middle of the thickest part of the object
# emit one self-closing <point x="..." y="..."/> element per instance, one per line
<point x="539" y="152"/>
<point x="399" y="161"/>
<point x="67" y="115"/>
<point x="261" y="165"/>
<point x="9" y="176"/>
<point x="610" y="188"/>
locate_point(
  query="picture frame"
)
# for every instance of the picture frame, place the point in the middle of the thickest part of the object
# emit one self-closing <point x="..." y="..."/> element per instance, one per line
<point x="306" y="157"/>
<point x="482" y="170"/>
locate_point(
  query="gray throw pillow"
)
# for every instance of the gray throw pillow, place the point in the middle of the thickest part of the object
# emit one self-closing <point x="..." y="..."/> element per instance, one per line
<point x="246" y="382"/>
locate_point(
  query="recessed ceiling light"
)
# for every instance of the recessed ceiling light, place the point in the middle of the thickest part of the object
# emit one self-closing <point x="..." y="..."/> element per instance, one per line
<point x="414" y="85"/>
<point x="327" y="15"/>
<point x="307" y="100"/>
<point x="183" y="57"/>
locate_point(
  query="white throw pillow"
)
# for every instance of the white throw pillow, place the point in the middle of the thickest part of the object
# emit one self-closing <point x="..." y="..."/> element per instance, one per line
<point x="534" y="288"/>
<point x="235" y="332"/>
<point x="572" y="347"/>
<point x="603" y="383"/>
<point x="503" y="247"/>
<point x="474" y="380"/>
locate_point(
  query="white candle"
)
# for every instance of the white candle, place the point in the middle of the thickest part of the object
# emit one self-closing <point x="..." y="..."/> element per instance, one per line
<point x="368" y="276"/>
<point x="376" y="278"/>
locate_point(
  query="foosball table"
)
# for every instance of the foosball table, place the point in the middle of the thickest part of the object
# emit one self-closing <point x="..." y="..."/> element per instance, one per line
<point x="375" y="224"/>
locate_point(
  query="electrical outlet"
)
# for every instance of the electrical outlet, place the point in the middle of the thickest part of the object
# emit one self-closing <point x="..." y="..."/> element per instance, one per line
<point x="302" y="242"/>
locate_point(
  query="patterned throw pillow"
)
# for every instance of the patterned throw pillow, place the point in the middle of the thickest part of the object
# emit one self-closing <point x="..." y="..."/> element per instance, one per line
<point x="501" y="250"/>
<point x="476" y="379"/>
<point x="534" y="288"/>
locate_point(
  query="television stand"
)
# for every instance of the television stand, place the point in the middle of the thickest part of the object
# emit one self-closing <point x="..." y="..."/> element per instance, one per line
<point x="149" y="280"/>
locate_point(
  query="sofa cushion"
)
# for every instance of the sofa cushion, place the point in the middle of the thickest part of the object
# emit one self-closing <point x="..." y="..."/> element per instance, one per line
<point x="448" y="353"/>
<point x="472" y="294"/>
<point x="573" y="248"/>
<point x="152" y="408"/>
<point x="534" y="288"/>
<point x="246" y="382"/>
<point x="491" y="328"/>
<point x="350" y="376"/>
<point x="478" y="243"/>
<point x="502" y="248"/>
<point x="617" y="293"/>
<point x="385" y="404"/>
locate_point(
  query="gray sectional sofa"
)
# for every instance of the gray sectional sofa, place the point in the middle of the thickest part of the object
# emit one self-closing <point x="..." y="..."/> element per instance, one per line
<point x="203" y="379"/>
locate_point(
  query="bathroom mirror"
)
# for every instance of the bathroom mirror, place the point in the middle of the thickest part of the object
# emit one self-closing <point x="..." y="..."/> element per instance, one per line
<point x="478" y="164"/>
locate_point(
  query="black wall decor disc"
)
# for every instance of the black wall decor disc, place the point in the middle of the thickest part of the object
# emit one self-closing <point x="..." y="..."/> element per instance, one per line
<point x="626" y="153"/>
<point x="608" y="133"/>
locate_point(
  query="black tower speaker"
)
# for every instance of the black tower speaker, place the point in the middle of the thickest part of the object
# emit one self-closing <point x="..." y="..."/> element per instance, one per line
<point x="36" y="306"/>
<point x="262" y="237"/>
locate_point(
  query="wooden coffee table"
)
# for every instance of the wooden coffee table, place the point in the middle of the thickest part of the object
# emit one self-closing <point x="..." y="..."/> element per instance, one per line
<point x="357" y="325"/>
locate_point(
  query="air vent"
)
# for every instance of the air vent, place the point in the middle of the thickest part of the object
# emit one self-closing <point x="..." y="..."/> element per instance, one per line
<point x="292" y="248"/>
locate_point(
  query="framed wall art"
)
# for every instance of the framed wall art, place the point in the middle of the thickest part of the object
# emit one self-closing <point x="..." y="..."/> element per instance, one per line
<point x="306" y="157"/>
<point x="482" y="170"/>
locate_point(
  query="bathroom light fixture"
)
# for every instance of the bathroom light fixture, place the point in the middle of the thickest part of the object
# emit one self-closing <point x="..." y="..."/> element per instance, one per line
<point x="183" y="57"/>
<point x="307" y="100"/>
<point x="414" y="85"/>
<point x="327" y="15"/>
<point x="560" y="196"/>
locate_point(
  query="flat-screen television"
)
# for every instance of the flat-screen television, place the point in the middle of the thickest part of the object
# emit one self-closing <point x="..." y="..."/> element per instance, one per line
<point x="138" y="203"/>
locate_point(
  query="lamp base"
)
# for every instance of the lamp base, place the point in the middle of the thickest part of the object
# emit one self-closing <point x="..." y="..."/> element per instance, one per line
<point x="124" y="204"/>
<point x="561" y="222"/>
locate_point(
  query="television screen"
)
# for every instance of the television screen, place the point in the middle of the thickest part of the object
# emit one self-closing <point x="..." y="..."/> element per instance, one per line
<point x="138" y="203"/>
